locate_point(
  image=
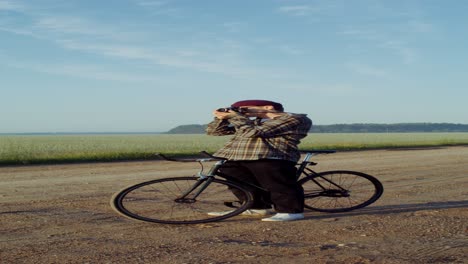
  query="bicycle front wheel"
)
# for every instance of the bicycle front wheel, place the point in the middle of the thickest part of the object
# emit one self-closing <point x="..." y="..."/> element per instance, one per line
<point x="182" y="200"/>
<point x="340" y="191"/>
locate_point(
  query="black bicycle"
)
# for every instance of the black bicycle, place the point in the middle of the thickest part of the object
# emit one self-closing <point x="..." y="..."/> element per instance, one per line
<point x="188" y="200"/>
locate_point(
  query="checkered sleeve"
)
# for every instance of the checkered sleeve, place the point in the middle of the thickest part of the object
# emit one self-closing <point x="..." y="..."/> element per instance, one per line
<point x="281" y="125"/>
<point x="219" y="127"/>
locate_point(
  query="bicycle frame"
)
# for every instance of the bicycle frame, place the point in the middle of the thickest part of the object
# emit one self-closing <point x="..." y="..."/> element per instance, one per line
<point x="184" y="199"/>
<point x="207" y="178"/>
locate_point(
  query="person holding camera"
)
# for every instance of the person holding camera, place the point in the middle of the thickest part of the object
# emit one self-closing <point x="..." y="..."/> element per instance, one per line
<point x="263" y="151"/>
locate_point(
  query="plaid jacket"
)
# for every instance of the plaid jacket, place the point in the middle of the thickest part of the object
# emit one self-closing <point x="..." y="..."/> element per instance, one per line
<point x="275" y="138"/>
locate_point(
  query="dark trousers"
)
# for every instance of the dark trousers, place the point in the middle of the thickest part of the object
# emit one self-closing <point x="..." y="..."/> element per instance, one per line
<point x="278" y="177"/>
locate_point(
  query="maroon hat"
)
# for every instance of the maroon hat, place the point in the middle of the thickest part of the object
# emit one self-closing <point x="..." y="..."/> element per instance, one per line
<point x="276" y="106"/>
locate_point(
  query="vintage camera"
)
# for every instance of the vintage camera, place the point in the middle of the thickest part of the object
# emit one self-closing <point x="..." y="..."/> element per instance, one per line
<point x="227" y="109"/>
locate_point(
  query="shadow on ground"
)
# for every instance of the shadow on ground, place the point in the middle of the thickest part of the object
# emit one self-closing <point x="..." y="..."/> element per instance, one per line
<point x="394" y="209"/>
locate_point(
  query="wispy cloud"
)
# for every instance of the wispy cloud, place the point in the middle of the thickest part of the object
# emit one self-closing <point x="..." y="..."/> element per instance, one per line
<point x="361" y="32"/>
<point x="234" y="26"/>
<point x="328" y="89"/>
<point x="68" y="25"/>
<point x="364" y="69"/>
<point x="389" y="30"/>
<point x="159" y="7"/>
<point x="83" y="34"/>
<point x="394" y="43"/>
<point x="297" y="10"/>
<point x="86" y="71"/>
<point x="93" y="72"/>
<point x="402" y="49"/>
<point x="175" y="58"/>
<point x="79" y="27"/>
<point x="419" y="26"/>
<point x="151" y="3"/>
<point x="10" y="5"/>
<point x="19" y="31"/>
<point x="291" y="50"/>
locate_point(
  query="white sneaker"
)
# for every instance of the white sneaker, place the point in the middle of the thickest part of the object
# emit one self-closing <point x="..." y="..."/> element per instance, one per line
<point x="256" y="212"/>
<point x="251" y="212"/>
<point x="284" y="217"/>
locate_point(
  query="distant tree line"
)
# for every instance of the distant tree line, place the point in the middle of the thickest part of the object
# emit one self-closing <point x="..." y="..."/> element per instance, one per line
<point x="354" y="128"/>
<point x="390" y="128"/>
<point x="188" y="129"/>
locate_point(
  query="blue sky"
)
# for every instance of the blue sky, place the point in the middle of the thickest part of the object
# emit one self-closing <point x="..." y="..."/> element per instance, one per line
<point x="145" y="65"/>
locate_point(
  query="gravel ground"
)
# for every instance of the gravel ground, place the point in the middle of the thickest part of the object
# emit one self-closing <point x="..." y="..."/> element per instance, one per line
<point x="61" y="214"/>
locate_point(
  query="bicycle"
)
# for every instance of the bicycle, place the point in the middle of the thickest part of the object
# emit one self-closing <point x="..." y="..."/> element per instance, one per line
<point x="187" y="200"/>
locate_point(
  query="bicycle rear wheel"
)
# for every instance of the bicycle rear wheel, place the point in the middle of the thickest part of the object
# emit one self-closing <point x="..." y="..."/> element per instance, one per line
<point x="340" y="191"/>
<point x="162" y="201"/>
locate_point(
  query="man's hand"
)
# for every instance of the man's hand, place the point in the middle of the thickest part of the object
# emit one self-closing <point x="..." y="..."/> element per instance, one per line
<point x="224" y="115"/>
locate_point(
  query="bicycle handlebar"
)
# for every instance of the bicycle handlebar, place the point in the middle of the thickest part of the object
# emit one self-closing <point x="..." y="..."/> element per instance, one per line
<point x="204" y="153"/>
<point x="318" y="151"/>
<point x="213" y="158"/>
<point x="171" y="159"/>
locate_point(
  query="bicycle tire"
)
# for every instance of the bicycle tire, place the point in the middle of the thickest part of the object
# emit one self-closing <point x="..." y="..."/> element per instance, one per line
<point x="156" y="201"/>
<point x="340" y="191"/>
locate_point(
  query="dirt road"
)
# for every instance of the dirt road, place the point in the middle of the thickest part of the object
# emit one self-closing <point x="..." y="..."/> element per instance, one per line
<point x="61" y="214"/>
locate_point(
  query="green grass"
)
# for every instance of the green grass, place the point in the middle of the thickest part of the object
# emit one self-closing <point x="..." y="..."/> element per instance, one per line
<point x="362" y="141"/>
<point x="83" y="148"/>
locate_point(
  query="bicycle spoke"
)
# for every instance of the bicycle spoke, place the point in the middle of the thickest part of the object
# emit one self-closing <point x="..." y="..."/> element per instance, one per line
<point x="339" y="191"/>
<point x="178" y="200"/>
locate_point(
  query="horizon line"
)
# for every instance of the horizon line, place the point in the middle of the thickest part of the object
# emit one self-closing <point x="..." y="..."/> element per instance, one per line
<point x="163" y="132"/>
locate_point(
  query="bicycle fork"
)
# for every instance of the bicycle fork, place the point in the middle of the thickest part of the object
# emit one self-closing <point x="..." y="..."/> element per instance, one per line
<point x="201" y="184"/>
<point x="194" y="191"/>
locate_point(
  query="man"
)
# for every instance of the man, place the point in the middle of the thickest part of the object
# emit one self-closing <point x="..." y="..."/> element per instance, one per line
<point x="264" y="152"/>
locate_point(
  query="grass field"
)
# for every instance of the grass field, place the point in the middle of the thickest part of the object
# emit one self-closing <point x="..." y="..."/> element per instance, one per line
<point x="21" y="149"/>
